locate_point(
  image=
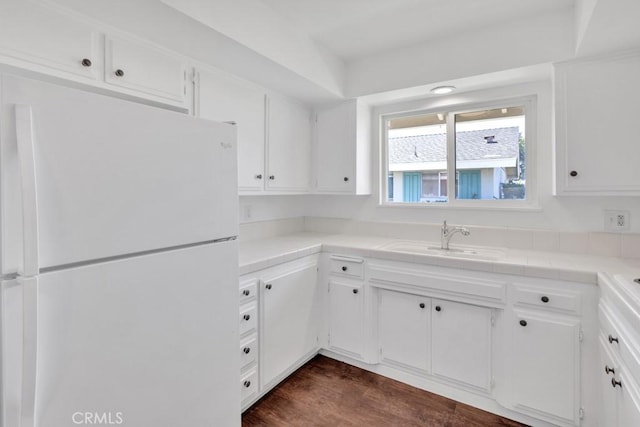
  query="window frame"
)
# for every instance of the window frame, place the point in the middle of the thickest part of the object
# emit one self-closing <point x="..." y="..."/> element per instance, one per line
<point x="530" y="202"/>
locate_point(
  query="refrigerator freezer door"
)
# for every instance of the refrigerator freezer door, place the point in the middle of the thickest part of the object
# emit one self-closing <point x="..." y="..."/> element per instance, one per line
<point x="114" y="177"/>
<point x="150" y="340"/>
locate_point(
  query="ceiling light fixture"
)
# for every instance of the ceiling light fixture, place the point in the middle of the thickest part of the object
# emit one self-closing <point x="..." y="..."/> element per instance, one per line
<point x="441" y="90"/>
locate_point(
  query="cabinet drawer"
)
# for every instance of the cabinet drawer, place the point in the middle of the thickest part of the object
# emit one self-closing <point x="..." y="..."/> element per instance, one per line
<point x="248" y="351"/>
<point x="547" y="298"/>
<point x="248" y="317"/>
<point x="619" y="340"/>
<point x="249" y="385"/>
<point x="346" y="266"/>
<point x="248" y="290"/>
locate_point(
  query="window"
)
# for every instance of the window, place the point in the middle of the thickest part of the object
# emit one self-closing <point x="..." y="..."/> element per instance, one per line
<point x="484" y="148"/>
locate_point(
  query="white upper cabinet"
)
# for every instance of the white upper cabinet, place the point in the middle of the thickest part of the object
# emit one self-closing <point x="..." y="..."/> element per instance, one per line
<point x="144" y="69"/>
<point x="596" y="107"/>
<point x="288" y="145"/>
<point x="47" y="39"/>
<point x="342" y="155"/>
<point x="225" y="98"/>
<point x="43" y="37"/>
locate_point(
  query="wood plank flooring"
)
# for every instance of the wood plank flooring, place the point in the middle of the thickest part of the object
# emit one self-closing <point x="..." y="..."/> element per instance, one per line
<point x="325" y="392"/>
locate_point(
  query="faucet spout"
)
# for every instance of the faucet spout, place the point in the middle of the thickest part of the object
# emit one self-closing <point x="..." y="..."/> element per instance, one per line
<point x="447" y="232"/>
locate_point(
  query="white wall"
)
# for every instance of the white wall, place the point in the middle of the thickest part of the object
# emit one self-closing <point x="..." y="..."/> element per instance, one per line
<point x="554" y="213"/>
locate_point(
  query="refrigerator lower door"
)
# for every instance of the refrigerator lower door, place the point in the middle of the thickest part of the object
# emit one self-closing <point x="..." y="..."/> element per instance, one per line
<point x="144" y="341"/>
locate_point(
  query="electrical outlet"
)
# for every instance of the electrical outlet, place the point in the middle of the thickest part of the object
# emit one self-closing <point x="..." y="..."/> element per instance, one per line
<point x="616" y="220"/>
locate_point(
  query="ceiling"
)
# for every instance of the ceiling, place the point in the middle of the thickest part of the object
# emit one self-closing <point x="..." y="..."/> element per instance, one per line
<point x="320" y="51"/>
<point x="351" y="29"/>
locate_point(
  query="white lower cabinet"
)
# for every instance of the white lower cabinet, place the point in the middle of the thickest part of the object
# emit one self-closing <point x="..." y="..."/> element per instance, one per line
<point x="449" y="340"/>
<point x="461" y="343"/>
<point x="248" y="331"/>
<point x="346" y="317"/>
<point x="545" y="357"/>
<point x="404" y="327"/>
<point x="619" y="349"/>
<point x="506" y="344"/>
<point x="289" y="326"/>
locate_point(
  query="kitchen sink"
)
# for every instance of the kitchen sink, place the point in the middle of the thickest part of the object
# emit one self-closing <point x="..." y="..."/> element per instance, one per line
<point x="430" y="248"/>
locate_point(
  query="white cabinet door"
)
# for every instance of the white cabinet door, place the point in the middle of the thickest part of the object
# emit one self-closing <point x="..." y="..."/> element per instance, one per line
<point x="288" y="145"/>
<point x="226" y="98"/>
<point x="404" y="323"/>
<point x="335" y="136"/>
<point x="461" y="343"/>
<point x="596" y="101"/>
<point x="346" y="317"/>
<point x="144" y="69"/>
<point x="546" y="364"/>
<point x="342" y="150"/>
<point x="289" y="326"/>
<point x="33" y="33"/>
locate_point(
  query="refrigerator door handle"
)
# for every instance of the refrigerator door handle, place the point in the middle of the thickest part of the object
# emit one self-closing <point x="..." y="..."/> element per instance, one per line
<point x="29" y="265"/>
<point x="29" y="349"/>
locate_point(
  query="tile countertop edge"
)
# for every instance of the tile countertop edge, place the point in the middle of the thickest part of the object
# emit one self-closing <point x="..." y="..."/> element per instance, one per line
<point x="259" y="254"/>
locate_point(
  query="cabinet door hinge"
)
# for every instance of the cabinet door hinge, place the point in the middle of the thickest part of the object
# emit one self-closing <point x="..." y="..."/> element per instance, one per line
<point x="493" y="320"/>
<point x="581" y="413"/>
<point x="580" y="336"/>
<point x="329" y="338"/>
<point x="492" y="383"/>
<point x="380" y="351"/>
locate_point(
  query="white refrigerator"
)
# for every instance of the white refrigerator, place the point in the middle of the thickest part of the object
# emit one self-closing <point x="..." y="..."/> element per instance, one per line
<point x="118" y="260"/>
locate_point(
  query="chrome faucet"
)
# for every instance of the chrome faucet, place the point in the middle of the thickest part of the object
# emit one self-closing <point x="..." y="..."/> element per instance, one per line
<point x="447" y="232"/>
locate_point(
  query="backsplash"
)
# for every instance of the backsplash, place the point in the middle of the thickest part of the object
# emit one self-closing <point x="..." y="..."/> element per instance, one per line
<point x="626" y="245"/>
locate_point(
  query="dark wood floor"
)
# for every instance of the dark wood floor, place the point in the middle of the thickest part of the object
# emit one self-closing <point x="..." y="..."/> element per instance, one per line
<point x="325" y="392"/>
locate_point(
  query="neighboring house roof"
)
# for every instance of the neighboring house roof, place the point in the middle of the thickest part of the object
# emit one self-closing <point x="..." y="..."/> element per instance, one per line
<point x="470" y="146"/>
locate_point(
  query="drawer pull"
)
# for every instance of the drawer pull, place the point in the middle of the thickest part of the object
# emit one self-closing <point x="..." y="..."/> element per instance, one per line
<point x="258" y="176"/>
<point x="247" y="384"/>
<point x="246" y="317"/>
<point x="523" y="323"/>
<point x="268" y="286"/>
<point x="421" y="305"/>
<point x="355" y="291"/>
<point x="438" y="308"/>
<point x="246" y="292"/>
<point x="544" y="299"/>
<point x="246" y="350"/>
<point x="573" y="173"/>
<point x="612" y="339"/>
<point x="615" y="383"/>
<point x="608" y="370"/>
<point x="344" y="268"/>
<point x="119" y="73"/>
<point x="86" y="62"/>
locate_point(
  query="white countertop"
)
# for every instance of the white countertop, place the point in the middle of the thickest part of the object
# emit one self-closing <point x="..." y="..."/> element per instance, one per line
<point x="263" y="253"/>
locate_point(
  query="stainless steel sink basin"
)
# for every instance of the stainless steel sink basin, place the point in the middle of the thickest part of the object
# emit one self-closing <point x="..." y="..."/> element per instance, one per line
<point x="428" y="248"/>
